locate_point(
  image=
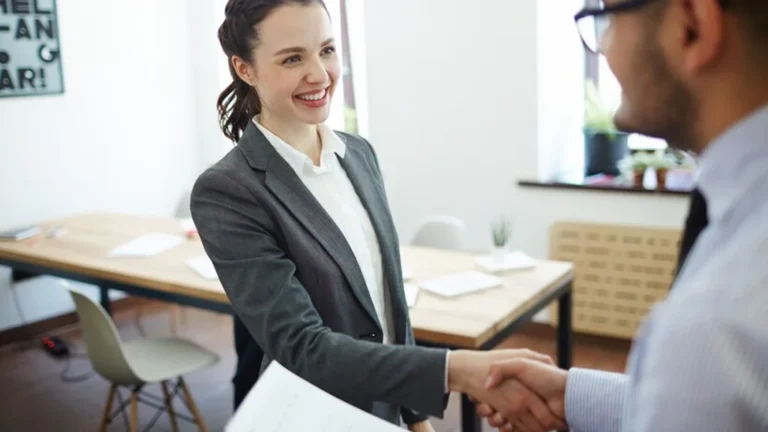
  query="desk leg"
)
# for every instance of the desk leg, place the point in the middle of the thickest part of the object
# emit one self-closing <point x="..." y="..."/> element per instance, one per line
<point x="104" y="298"/>
<point x="19" y="275"/>
<point x="564" y="332"/>
<point x="470" y="422"/>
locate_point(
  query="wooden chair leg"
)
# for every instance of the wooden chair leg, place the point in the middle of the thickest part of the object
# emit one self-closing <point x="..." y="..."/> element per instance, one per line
<point x="134" y="420"/>
<point x="108" y="408"/>
<point x="192" y="406"/>
<point x="169" y="407"/>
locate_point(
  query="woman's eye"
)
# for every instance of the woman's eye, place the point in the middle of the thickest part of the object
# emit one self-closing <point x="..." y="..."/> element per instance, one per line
<point x="292" y="59"/>
<point x="329" y="50"/>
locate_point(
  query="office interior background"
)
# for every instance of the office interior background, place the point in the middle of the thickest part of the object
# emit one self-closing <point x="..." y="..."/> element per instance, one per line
<point x="462" y="101"/>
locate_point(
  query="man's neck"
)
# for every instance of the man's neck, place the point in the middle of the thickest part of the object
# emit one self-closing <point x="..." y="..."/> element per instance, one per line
<point x="301" y="136"/>
<point x="727" y="107"/>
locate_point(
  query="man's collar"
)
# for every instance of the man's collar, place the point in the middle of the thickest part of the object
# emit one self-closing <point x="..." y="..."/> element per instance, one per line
<point x="729" y="166"/>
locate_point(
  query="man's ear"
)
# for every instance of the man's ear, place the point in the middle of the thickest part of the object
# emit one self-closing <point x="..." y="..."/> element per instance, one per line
<point x="704" y="23"/>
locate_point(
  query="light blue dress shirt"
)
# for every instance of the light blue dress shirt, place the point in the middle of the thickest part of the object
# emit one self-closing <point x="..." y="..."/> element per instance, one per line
<point x="700" y="361"/>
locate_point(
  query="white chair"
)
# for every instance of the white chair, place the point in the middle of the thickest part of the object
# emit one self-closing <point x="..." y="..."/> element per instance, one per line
<point x="182" y="209"/>
<point x="440" y="232"/>
<point x="136" y="363"/>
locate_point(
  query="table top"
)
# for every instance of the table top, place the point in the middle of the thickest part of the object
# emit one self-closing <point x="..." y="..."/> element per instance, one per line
<point x="464" y="321"/>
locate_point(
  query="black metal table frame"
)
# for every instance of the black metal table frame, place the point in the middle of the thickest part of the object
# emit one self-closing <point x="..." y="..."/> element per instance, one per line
<point x="470" y="422"/>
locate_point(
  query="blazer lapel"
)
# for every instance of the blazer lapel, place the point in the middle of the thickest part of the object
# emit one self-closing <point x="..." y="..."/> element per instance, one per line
<point x="371" y="193"/>
<point x="291" y="191"/>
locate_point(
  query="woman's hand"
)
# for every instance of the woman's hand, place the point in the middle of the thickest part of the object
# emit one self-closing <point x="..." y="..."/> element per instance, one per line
<point x="424" y="426"/>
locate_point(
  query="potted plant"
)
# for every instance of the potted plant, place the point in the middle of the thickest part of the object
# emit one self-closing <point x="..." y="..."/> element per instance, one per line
<point x="604" y="145"/>
<point x="500" y="233"/>
<point x="661" y="162"/>
<point x="636" y="165"/>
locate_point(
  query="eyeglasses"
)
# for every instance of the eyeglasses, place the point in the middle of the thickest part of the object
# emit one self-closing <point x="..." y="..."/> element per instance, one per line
<point x="593" y="22"/>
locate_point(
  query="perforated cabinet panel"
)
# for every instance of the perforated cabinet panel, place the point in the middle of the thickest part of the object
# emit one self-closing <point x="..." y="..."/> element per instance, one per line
<point x="620" y="273"/>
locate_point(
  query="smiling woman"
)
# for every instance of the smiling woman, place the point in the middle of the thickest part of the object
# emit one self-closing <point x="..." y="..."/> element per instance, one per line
<point x="296" y="222"/>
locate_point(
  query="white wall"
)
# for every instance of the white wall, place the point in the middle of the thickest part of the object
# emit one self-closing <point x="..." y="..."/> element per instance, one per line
<point x="122" y="138"/>
<point x="464" y="101"/>
<point x="210" y="75"/>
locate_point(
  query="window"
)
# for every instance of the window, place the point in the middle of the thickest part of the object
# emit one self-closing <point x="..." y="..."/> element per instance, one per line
<point x="344" y="112"/>
<point x="611" y="90"/>
<point x="599" y="71"/>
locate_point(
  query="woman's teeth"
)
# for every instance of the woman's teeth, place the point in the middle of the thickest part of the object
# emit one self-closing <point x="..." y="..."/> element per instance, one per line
<point x="313" y="97"/>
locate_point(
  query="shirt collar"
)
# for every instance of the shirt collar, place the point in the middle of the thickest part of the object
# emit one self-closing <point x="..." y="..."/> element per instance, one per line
<point x="732" y="163"/>
<point x="299" y="161"/>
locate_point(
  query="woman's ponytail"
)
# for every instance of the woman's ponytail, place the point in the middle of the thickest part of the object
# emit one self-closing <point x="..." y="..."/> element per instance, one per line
<point x="237" y="105"/>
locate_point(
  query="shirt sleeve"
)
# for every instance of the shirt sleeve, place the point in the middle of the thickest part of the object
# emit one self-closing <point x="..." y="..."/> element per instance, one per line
<point x="698" y="369"/>
<point x="447" y="358"/>
<point x="594" y="400"/>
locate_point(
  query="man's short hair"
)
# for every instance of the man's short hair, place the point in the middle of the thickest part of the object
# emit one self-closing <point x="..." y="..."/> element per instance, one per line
<point x="754" y="14"/>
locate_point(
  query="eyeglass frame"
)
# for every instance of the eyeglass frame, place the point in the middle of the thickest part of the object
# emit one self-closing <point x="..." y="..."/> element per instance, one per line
<point x="606" y="10"/>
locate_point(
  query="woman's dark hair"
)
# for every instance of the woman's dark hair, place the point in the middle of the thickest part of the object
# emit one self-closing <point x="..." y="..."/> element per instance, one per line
<point x="238" y="36"/>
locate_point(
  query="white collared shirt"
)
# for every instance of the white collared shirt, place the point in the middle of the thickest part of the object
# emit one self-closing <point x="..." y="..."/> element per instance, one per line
<point x="700" y="360"/>
<point x="330" y="185"/>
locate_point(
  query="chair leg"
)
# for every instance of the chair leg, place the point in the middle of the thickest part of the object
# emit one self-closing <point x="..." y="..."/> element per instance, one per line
<point x="169" y="407"/>
<point x="192" y="406"/>
<point x="108" y="408"/>
<point x="134" y="423"/>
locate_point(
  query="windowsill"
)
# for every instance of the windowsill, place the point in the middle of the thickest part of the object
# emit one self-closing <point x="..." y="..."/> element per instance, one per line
<point x="675" y="184"/>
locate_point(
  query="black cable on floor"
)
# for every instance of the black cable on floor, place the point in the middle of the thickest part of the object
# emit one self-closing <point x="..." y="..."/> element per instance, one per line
<point x="77" y="378"/>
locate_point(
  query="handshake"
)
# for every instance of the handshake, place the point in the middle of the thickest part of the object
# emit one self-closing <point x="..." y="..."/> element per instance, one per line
<point x="516" y="389"/>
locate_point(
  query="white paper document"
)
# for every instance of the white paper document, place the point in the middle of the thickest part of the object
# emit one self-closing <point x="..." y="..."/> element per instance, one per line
<point x="407" y="274"/>
<point x="203" y="266"/>
<point x="411" y="293"/>
<point x="281" y="401"/>
<point x="516" y="260"/>
<point x="147" y="245"/>
<point x="461" y="283"/>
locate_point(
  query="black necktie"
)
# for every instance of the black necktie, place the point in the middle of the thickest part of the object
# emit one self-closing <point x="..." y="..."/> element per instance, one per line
<point x="694" y="225"/>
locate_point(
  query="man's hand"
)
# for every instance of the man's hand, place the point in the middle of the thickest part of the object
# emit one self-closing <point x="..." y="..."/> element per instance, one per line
<point x="470" y="373"/>
<point x="424" y="426"/>
<point x="546" y="380"/>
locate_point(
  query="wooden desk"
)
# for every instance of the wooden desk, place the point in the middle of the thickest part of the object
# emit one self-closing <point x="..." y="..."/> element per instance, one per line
<point x="477" y="321"/>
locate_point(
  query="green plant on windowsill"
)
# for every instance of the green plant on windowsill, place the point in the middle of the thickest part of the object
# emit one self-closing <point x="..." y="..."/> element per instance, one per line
<point x="598" y="117"/>
<point x="662" y="161"/>
<point x="604" y="144"/>
<point x="636" y="165"/>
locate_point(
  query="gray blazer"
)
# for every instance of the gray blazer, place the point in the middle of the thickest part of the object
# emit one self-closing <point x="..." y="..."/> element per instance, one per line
<point x="293" y="279"/>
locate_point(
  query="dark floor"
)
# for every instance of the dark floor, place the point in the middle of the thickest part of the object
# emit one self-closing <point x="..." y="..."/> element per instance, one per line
<point x="35" y="398"/>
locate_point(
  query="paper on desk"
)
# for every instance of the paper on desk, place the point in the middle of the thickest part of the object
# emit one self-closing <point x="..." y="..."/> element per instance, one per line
<point x="147" y="245"/>
<point x="461" y="283"/>
<point x="407" y="274"/>
<point x="411" y="293"/>
<point x="281" y="401"/>
<point x="516" y="260"/>
<point x="203" y="266"/>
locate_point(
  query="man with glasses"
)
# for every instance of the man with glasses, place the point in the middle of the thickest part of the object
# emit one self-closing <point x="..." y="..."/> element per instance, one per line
<point x="693" y="72"/>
